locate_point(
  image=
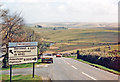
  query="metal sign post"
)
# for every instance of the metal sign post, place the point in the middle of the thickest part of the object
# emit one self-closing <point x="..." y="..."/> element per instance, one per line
<point x="33" y="69"/>
<point x="22" y="53"/>
<point x="10" y="73"/>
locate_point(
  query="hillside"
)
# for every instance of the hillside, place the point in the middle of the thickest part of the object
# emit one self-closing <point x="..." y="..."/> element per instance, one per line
<point x="71" y="39"/>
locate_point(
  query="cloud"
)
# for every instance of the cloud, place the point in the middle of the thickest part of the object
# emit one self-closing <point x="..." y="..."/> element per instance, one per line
<point x="20" y="1"/>
<point x="65" y="10"/>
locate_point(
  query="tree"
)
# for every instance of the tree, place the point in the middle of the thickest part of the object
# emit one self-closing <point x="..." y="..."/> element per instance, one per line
<point x="42" y="47"/>
<point x="11" y="27"/>
<point x="12" y="31"/>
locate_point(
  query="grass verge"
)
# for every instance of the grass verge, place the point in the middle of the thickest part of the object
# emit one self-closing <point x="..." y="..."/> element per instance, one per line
<point x="96" y="65"/>
<point x="20" y="78"/>
<point x="23" y="65"/>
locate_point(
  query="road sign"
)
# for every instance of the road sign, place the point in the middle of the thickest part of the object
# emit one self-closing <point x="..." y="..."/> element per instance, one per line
<point x="22" y="52"/>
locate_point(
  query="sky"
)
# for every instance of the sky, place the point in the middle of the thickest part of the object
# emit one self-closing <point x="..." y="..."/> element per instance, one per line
<point x="35" y="11"/>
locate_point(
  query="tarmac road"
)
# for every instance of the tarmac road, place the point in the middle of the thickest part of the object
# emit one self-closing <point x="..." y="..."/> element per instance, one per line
<point x="67" y="69"/>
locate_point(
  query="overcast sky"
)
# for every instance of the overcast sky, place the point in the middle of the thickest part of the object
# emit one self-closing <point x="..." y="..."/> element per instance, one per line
<point x="35" y="11"/>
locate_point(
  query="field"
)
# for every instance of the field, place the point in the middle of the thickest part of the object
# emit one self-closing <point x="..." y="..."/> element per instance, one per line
<point x="78" y="35"/>
<point x="71" y="40"/>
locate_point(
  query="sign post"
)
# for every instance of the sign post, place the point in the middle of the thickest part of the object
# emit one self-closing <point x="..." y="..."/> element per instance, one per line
<point x="33" y="69"/>
<point x="22" y="53"/>
<point x="78" y="54"/>
<point x="10" y="73"/>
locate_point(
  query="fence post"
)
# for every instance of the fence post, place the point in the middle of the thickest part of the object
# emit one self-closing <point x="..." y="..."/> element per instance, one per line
<point x="78" y="54"/>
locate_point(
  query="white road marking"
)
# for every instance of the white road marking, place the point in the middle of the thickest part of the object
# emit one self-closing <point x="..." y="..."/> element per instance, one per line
<point x="68" y="63"/>
<point x="63" y="60"/>
<point x="88" y="76"/>
<point x="74" y="67"/>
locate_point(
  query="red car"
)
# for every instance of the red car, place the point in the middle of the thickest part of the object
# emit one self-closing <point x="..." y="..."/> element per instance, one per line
<point x="58" y="55"/>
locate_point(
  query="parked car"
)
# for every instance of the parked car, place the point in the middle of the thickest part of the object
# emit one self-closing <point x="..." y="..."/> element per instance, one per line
<point x="47" y="58"/>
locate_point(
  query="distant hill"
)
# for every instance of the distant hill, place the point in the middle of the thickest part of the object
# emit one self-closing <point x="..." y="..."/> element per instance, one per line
<point x="79" y="25"/>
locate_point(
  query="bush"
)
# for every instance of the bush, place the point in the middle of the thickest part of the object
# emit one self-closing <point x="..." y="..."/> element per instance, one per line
<point x="109" y="62"/>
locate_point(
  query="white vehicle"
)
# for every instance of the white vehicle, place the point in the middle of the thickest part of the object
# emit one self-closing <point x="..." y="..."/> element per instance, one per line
<point x="47" y="58"/>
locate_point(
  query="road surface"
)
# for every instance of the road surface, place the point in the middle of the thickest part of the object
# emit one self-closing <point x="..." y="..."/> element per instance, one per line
<point x="67" y="69"/>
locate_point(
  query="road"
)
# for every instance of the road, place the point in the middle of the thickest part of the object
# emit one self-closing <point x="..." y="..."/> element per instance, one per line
<point x="67" y="69"/>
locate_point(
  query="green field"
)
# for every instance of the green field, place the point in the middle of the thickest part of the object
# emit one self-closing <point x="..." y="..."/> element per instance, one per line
<point x="78" y="35"/>
<point x="72" y="39"/>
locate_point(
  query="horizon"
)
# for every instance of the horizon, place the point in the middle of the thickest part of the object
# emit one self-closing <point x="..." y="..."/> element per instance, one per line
<point x="74" y="22"/>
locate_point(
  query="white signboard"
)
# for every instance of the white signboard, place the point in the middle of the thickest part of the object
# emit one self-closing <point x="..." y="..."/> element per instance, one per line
<point x="22" y="52"/>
